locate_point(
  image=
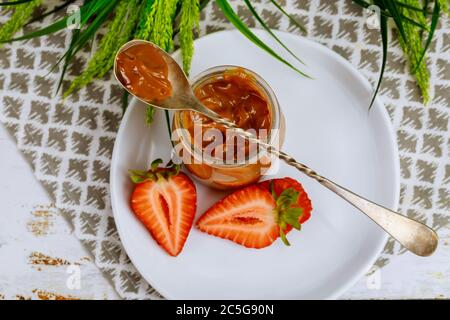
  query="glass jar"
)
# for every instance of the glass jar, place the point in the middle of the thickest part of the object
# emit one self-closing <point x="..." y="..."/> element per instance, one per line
<point x="216" y="172"/>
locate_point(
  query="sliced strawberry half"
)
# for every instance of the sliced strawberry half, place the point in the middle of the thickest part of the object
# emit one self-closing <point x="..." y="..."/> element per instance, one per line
<point x="165" y="201"/>
<point x="245" y="217"/>
<point x="257" y="215"/>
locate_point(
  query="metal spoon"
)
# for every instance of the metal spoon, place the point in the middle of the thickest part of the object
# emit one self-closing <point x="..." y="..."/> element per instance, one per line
<point x="413" y="235"/>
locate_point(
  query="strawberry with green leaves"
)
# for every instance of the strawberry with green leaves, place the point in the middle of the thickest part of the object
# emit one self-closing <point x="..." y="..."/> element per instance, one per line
<point x="165" y="200"/>
<point x="302" y="202"/>
<point x="257" y="215"/>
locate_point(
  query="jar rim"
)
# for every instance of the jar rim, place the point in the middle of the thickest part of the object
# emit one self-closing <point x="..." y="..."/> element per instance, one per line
<point x="265" y="89"/>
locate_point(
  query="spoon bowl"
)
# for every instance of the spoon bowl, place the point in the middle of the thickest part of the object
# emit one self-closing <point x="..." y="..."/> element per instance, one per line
<point x="182" y="97"/>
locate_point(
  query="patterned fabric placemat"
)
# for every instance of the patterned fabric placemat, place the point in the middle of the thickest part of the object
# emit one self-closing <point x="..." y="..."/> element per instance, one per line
<point x="69" y="143"/>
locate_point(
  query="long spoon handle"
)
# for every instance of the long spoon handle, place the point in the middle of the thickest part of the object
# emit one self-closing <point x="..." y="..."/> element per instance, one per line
<point x="413" y="235"/>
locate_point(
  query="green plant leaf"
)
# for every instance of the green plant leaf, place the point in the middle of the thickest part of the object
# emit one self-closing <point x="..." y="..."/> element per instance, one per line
<point x="100" y="17"/>
<point x="411" y="7"/>
<point x="434" y="21"/>
<point x="118" y="33"/>
<point x="126" y="33"/>
<point x="384" y="40"/>
<point x="81" y="38"/>
<point x="146" y="20"/>
<point x="86" y="12"/>
<point x="124" y="101"/>
<point x="54" y="27"/>
<point x="161" y="26"/>
<point x="426" y="3"/>
<point x="391" y="6"/>
<point x="67" y="59"/>
<point x="384" y="12"/>
<point x="243" y="28"/>
<point x="169" y="130"/>
<point x="54" y="10"/>
<point x="413" y="49"/>
<point x="291" y="18"/>
<point x="203" y="4"/>
<point x="266" y="27"/>
<point x="189" y="20"/>
<point x="149" y="115"/>
<point x="13" y="3"/>
<point x="417" y="24"/>
<point x="21" y="14"/>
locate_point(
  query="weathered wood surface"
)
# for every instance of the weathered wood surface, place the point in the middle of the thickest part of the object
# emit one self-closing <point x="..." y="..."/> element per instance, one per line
<point x="38" y="250"/>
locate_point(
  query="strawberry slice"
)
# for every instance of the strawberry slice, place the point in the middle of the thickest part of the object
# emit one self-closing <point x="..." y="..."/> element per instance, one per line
<point x="245" y="217"/>
<point x="165" y="201"/>
<point x="257" y="215"/>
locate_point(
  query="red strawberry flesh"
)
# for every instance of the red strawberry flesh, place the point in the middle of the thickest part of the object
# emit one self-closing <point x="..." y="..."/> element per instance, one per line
<point x="253" y="216"/>
<point x="166" y="207"/>
<point x="245" y="217"/>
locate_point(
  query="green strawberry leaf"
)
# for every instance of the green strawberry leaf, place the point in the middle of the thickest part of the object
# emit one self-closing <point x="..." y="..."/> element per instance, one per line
<point x="287" y="211"/>
<point x="293" y="222"/>
<point x="138" y="176"/>
<point x="175" y="169"/>
<point x="287" y="198"/>
<point x="290" y="194"/>
<point x="283" y="237"/>
<point x="156" y="163"/>
<point x="137" y="172"/>
<point x="291" y="216"/>
<point x="155" y="173"/>
<point x="294" y="212"/>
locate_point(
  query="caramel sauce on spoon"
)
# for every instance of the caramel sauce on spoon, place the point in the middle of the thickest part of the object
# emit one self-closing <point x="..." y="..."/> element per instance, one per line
<point x="144" y="72"/>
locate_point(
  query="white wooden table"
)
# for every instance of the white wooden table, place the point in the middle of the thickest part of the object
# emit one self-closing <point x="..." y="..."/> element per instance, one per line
<point x="39" y="255"/>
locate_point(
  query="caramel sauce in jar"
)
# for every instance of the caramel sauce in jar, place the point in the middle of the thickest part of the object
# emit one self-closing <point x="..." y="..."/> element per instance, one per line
<point x="238" y="95"/>
<point x="144" y="72"/>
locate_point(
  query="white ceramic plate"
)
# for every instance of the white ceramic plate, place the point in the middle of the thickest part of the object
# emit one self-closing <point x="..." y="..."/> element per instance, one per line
<point x="329" y="129"/>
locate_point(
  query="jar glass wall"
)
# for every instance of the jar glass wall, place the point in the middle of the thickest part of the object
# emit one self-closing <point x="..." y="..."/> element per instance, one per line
<point x="219" y="172"/>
